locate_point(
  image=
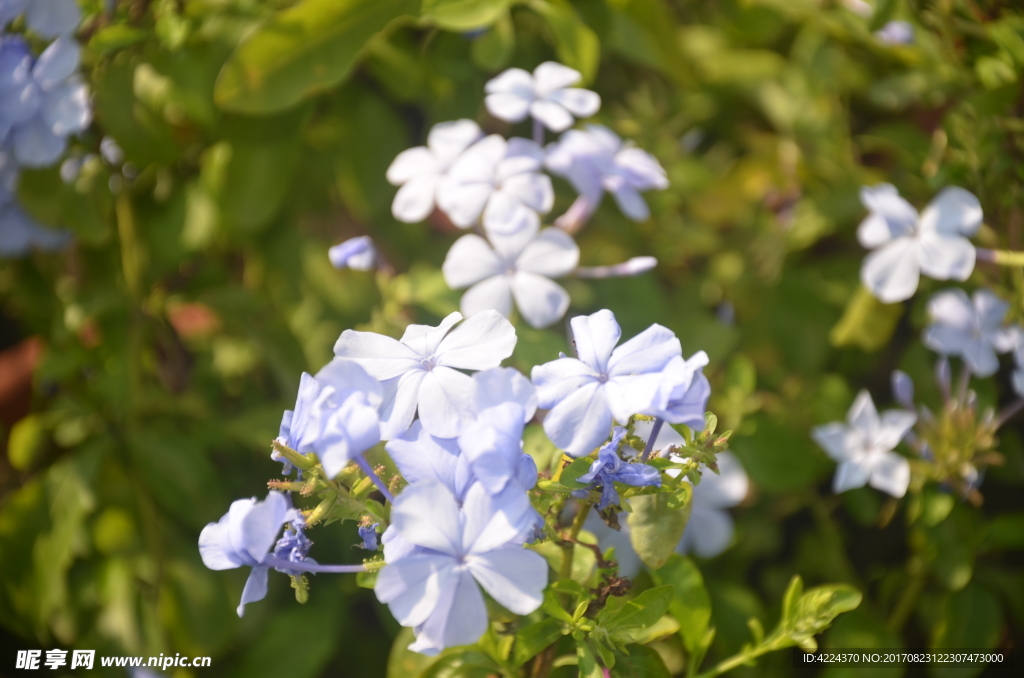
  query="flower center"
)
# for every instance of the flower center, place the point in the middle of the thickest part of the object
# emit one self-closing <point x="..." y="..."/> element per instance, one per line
<point x="602" y="378"/>
<point x="428" y="363"/>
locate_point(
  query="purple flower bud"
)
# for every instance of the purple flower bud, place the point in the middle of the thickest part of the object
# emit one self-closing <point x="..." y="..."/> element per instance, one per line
<point x="943" y="375"/>
<point x="903" y="389"/>
<point x="368" y="533"/>
<point x="358" y="253"/>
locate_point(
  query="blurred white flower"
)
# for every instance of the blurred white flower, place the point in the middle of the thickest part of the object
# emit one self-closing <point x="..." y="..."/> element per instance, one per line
<point x="709" y="531"/>
<point x="864" y="447"/>
<point x="357" y="253"/>
<point x="973" y="330"/>
<point x="896" y="33"/>
<point x="907" y="244"/>
<point x="546" y="95"/>
<point x="500" y="180"/>
<point x="515" y="267"/>
<point x="595" y="160"/>
<point x="418" y="170"/>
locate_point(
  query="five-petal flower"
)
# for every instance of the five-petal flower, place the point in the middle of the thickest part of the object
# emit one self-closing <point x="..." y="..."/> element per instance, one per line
<point x="547" y="96"/>
<point x="419" y="373"/>
<point x="864" y="447"/>
<point x="511" y="267"/>
<point x="971" y="329"/>
<point x="907" y="244"/>
<point x="585" y="394"/>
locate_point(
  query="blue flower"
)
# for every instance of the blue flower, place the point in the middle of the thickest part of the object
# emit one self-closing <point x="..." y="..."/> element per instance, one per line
<point x="359" y="254"/>
<point x="606" y="381"/>
<point x="47" y="18"/>
<point x="609" y="469"/>
<point x="18" y="232"/>
<point x="293" y="545"/>
<point x="41" y="100"/>
<point x="451" y="550"/>
<point x="244" y="537"/>
<point x="335" y="416"/>
<point x="368" y="533"/>
<point x="685" y="391"/>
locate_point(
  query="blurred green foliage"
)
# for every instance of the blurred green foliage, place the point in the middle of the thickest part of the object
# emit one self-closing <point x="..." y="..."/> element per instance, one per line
<point x="256" y="134"/>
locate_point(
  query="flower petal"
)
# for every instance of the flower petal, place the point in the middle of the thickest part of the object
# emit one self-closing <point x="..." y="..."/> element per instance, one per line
<point x="444" y="401"/>
<point x="35" y="144"/>
<point x="424" y="339"/>
<point x="459" y="618"/>
<point x="414" y="201"/>
<point x="946" y="257"/>
<point x="506" y="214"/>
<point x="832" y="438"/>
<point x="894" y="426"/>
<point x="595" y="337"/>
<point x="954" y="211"/>
<point x="255" y="588"/>
<point x="708" y="533"/>
<point x="551" y="75"/>
<point x="261" y="524"/>
<point x="553" y="254"/>
<point x="581" y="421"/>
<point x="469" y="261"/>
<point x="541" y="301"/>
<point x="981" y="358"/>
<point x="479" y="343"/>
<point x="514" y="576"/>
<point x="891" y="474"/>
<point x="447" y="140"/>
<point x="427" y="515"/>
<point x="648" y="351"/>
<point x="494" y="294"/>
<point x="896" y="217"/>
<point x="57" y="62"/>
<point x="580" y="102"/>
<point x="504" y="385"/>
<point x="494" y="521"/>
<point x="863" y="416"/>
<point x="412" y="162"/>
<point x="399" y="404"/>
<point x="411" y="586"/>
<point x="850" y="475"/>
<point x="631" y="203"/>
<point x="553" y="116"/>
<point x="893" y="271"/>
<point x="532" y="189"/>
<point x="421" y="457"/>
<point x="382" y="357"/>
<point x="508" y="106"/>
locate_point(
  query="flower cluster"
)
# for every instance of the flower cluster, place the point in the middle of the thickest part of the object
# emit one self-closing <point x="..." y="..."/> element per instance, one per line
<point x="500" y="187"/>
<point x="42" y="103"/>
<point x="464" y="516"/>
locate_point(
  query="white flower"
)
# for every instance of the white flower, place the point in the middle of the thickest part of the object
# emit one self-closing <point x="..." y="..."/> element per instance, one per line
<point x="418" y="170"/>
<point x="501" y="180"/>
<point x="546" y="96"/>
<point x="606" y="382"/>
<point x="907" y="244"/>
<point x="357" y="253"/>
<point x="517" y="266"/>
<point x="595" y="160"/>
<point x="864" y="447"/>
<point x="973" y="331"/>
<point x="419" y="373"/>
<point x="710" y="528"/>
<point x="896" y="33"/>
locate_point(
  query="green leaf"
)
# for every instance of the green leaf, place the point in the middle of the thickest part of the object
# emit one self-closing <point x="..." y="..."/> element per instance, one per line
<point x="588" y="666"/>
<point x="641" y="662"/>
<point x="495" y="48"/>
<point x="25" y="441"/>
<point x="641" y="612"/>
<point x="576" y="44"/>
<point x="866" y="323"/>
<point x="655" y="529"/>
<point x="404" y="663"/>
<point x="464" y="15"/>
<point x="691" y="604"/>
<point x="573" y="471"/>
<point x="115" y="37"/>
<point x="553" y="607"/>
<point x="301" y="51"/>
<point x="816" y="609"/>
<point x="531" y="640"/>
<point x="970" y="618"/>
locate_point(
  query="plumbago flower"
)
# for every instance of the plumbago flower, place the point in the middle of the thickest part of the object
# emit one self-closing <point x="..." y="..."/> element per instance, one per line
<point x="244" y="537"/>
<point x="335" y="416"/>
<point x="357" y="253"/>
<point x="518" y="267"/>
<point x="500" y="181"/>
<point x="609" y="469"/>
<point x="456" y="548"/>
<point x="907" y="244"/>
<point x="41" y="100"/>
<point x="864" y="447"/>
<point x="47" y="18"/>
<point x="419" y="372"/>
<point x="970" y="328"/>
<point x="547" y="96"/>
<point x="604" y="383"/>
<point x="594" y="161"/>
<point x="419" y="170"/>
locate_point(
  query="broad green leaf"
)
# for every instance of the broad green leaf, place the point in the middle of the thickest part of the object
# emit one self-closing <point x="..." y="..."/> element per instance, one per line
<point x="495" y="48"/>
<point x="970" y="618"/>
<point x="587" y="661"/>
<point x="576" y="44"/>
<point x="641" y="662"/>
<point x="641" y="612"/>
<point x="655" y="529"/>
<point x="301" y="51"/>
<point x="464" y="15"/>
<point x="532" y="639"/>
<point x="866" y="323"/>
<point x="573" y="471"/>
<point x="691" y="604"/>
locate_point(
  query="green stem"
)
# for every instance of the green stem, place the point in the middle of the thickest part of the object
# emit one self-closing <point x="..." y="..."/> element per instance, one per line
<point x="906" y="603"/>
<point x="1001" y="257"/>
<point x="742" y="658"/>
<point x="569" y="544"/>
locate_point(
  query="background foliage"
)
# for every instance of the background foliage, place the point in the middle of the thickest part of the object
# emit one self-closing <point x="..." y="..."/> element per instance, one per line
<point x="256" y="134"/>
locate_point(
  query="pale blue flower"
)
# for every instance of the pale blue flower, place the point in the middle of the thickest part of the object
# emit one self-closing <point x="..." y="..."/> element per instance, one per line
<point x="244" y="537"/>
<point x="41" y="100"/>
<point x="604" y="384"/>
<point x="896" y="33"/>
<point x="903" y="389"/>
<point x="547" y="96"/>
<point x="685" y="391"/>
<point x="609" y="469"/>
<point x="358" y="253"/>
<point x="294" y="545"/>
<point x="709" y="531"/>
<point x="493" y="444"/>
<point x="595" y="160"/>
<point x="335" y="416"/>
<point x="46" y="18"/>
<point x="970" y="328"/>
<point x="419" y="373"/>
<point x="451" y="551"/>
<point x="864" y="445"/>
<point x="907" y="244"/>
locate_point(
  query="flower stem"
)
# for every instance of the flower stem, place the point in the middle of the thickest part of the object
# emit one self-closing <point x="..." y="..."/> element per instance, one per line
<point x="655" y="430"/>
<point x="538" y="132"/>
<point x="368" y="470"/>
<point x="1007" y="412"/>
<point x="281" y="563"/>
<point x="570" y="543"/>
<point x="1001" y="257"/>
